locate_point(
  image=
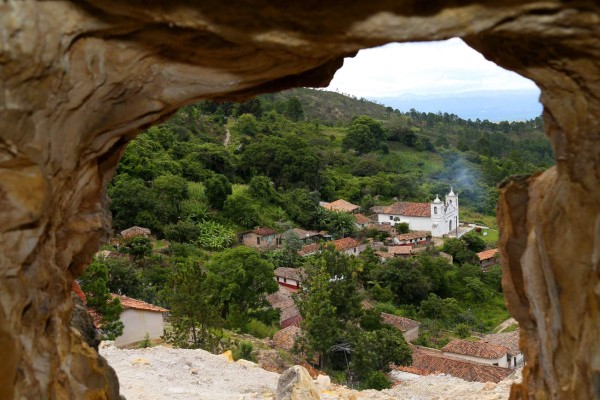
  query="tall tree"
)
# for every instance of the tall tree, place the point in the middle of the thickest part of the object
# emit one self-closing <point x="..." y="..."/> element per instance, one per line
<point x="217" y="190"/>
<point x="94" y="283"/>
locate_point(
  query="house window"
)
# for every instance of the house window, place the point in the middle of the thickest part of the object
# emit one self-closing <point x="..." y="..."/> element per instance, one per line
<point x="284" y="280"/>
<point x="258" y="240"/>
<point x="496" y="364"/>
<point x="355" y="249"/>
<point x="391" y="217"/>
<point x="435" y="210"/>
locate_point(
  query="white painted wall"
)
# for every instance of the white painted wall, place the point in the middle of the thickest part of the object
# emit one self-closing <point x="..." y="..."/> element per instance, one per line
<point x="137" y="323"/>
<point x="414" y="223"/>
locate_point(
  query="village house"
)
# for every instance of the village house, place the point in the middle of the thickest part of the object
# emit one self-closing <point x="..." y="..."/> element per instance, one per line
<point x="387" y="228"/>
<point x="290" y="277"/>
<point x="305" y="236"/>
<point x="408" y="327"/>
<point x="345" y="245"/>
<point x="439" y="218"/>
<point x="135" y="231"/>
<point x="260" y="238"/>
<point x="421" y="238"/>
<point x="400" y="251"/>
<point x="427" y="361"/>
<point x="362" y="221"/>
<point x="341" y="205"/>
<point x="480" y="352"/>
<point x="283" y="301"/>
<point x="487" y="258"/>
<point x="139" y="319"/>
<point x="509" y="340"/>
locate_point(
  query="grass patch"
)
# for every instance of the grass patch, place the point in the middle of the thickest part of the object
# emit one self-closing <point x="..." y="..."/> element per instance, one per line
<point x="491" y="237"/>
<point x="511" y="328"/>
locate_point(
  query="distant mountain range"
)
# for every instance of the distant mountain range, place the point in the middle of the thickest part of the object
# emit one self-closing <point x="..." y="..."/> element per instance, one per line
<point x="493" y="105"/>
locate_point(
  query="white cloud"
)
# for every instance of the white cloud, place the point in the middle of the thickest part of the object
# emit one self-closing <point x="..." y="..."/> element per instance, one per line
<point x="448" y="66"/>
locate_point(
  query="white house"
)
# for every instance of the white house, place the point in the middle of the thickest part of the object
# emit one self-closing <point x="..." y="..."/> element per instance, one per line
<point x="480" y="352"/>
<point x="439" y="218"/>
<point x="509" y="340"/>
<point x="139" y="318"/>
<point x="290" y="277"/>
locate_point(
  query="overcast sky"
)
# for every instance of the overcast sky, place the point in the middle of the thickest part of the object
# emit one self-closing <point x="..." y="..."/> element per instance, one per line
<point x="422" y="68"/>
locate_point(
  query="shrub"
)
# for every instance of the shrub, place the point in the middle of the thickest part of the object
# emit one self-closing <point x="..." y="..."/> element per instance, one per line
<point x="462" y="330"/>
<point x="377" y="380"/>
<point x="259" y="329"/>
<point x="213" y="235"/>
<point x="146" y="342"/>
<point x="243" y="351"/>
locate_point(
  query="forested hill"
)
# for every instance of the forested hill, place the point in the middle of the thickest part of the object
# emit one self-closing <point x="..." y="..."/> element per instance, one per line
<point x="313" y="145"/>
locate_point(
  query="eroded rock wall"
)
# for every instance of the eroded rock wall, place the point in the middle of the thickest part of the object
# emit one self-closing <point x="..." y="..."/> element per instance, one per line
<point x="79" y="80"/>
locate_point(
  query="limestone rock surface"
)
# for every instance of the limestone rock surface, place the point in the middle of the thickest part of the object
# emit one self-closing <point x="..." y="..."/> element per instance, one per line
<point x="78" y="80"/>
<point x="296" y="384"/>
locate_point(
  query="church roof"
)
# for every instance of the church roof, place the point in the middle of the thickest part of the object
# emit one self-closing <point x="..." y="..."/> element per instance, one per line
<point x="409" y="209"/>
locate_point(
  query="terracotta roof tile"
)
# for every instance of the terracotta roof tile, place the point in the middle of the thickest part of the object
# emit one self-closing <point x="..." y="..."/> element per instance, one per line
<point x="296" y="274"/>
<point x="262" y="231"/>
<point x="409" y="209"/>
<point x="128" y="302"/>
<point x="400" y="250"/>
<point x="487" y="254"/>
<point x="285" y="338"/>
<point x="345" y="244"/>
<point x="283" y="301"/>
<point x="302" y="233"/>
<point x="387" y="228"/>
<point x="309" y="249"/>
<point x="475" y="349"/>
<point x="401" y="323"/>
<point x="508" y="339"/>
<point x="433" y="361"/>
<point x="413" y="235"/>
<point x="361" y="219"/>
<point x="341" y="205"/>
<point x="384" y="254"/>
<point x="135" y="231"/>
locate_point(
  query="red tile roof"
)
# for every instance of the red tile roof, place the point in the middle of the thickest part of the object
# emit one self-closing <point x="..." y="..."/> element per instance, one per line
<point x="345" y="244"/>
<point x="282" y="300"/>
<point x="487" y="254"/>
<point x="285" y="338"/>
<point x="361" y="219"/>
<point x="409" y="209"/>
<point x="135" y="231"/>
<point x="400" y="250"/>
<point x="341" y="205"/>
<point x="432" y="361"/>
<point x="387" y="228"/>
<point x="413" y="235"/>
<point x="309" y="249"/>
<point x="401" y="323"/>
<point x="262" y="231"/>
<point x="302" y="233"/>
<point x="129" y="303"/>
<point x="475" y="349"/>
<point x="296" y="274"/>
<point x="508" y="339"/>
<point x="384" y="254"/>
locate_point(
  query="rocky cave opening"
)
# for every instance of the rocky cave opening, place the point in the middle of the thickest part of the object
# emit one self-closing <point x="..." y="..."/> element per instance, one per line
<point x="79" y="80"/>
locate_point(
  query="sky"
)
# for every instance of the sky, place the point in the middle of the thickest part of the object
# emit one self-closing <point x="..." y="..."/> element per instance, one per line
<point x="442" y="67"/>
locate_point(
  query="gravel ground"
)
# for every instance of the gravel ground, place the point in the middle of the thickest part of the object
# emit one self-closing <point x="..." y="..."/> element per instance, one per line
<point x="165" y="373"/>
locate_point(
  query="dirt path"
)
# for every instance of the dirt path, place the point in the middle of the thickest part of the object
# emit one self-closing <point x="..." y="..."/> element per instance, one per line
<point x="505" y="324"/>
<point x="227" y="137"/>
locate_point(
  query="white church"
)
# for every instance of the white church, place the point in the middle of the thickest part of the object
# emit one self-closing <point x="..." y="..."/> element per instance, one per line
<point x="439" y="218"/>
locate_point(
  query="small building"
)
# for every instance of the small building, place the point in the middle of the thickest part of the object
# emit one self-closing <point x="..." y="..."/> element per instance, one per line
<point x="345" y="245"/>
<point x="509" y="340"/>
<point x="362" y="221"/>
<point x="386" y="228"/>
<point x="283" y="301"/>
<point x="480" y="352"/>
<point x="438" y="217"/>
<point x="290" y="277"/>
<point x="135" y="231"/>
<point x="341" y="205"/>
<point x="421" y="238"/>
<point x="260" y="238"/>
<point x="430" y="361"/>
<point x="400" y="251"/>
<point x="304" y="235"/>
<point x="408" y="327"/>
<point x="487" y="258"/>
<point x="139" y="318"/>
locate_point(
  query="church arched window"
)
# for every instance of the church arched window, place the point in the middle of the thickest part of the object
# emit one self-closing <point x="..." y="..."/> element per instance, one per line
<point x="435" y="210"/>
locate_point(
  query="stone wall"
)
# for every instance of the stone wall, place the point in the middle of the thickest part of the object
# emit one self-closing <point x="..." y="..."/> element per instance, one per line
<point x="79" y="80"/>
